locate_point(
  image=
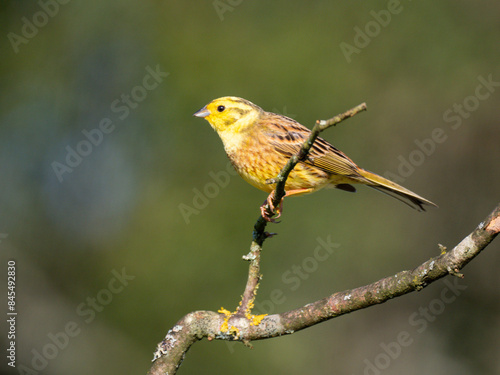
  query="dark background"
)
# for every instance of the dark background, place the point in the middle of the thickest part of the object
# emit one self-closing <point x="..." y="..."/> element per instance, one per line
<point x="121" y="207"/>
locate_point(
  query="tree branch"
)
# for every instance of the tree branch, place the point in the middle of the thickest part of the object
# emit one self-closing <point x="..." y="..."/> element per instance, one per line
<point x="199" y="324"/>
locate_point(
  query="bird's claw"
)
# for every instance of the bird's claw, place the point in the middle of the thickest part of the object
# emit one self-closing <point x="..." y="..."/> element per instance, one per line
<point x="268" y="213"/>
<point x="265" y="214"/>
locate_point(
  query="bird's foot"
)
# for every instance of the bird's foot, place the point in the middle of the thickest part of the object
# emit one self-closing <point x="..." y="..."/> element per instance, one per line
<point x="268" y="214"/>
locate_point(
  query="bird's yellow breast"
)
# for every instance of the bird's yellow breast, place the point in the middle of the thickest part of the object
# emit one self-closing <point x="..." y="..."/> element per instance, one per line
<point x="257" y="162"/>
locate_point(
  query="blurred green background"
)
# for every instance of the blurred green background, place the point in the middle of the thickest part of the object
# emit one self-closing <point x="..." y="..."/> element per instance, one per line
<point x="151" y="198"/>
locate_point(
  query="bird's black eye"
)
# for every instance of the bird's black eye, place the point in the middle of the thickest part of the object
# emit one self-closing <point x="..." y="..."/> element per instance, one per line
<point x="221" y="108"/>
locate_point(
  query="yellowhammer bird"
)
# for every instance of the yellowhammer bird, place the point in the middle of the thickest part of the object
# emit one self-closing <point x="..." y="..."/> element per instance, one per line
<point x="259" y="144"/>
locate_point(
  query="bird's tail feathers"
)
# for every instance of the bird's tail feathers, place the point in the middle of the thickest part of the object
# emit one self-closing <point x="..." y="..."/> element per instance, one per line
<point x="397" y="191"/>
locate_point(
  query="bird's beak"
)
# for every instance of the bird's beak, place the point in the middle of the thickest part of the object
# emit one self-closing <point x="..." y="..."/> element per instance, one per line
<point x="204" y="112"/>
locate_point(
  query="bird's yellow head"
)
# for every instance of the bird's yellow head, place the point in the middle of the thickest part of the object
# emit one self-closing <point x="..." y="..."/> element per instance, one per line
<point x="230" y="114"/>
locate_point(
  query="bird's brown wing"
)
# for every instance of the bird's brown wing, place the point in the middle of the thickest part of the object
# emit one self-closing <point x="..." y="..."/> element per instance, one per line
<point x="287" y="136"/>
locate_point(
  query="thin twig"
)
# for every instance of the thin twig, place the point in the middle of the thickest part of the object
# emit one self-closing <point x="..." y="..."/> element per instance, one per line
<point x="253" y="280"/>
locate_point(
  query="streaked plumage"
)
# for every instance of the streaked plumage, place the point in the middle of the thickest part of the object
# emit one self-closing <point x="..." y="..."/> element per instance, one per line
<point x="259" y="144"/>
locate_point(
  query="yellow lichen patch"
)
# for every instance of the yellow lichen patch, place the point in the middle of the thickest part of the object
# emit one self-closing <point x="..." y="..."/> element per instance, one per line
<point x="255" y="319"/>
<point x="442" y="249"/>
<point x="234" y="331"/>
<point x="224" y="326"/>
<point x="224" y="311"/>
<point x="250" y="305"/>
